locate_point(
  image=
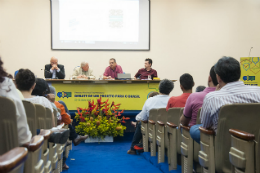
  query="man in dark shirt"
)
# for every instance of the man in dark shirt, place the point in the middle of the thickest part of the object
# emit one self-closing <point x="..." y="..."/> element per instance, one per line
<point x="143" y="73"/>
<point x="54" y="70"/>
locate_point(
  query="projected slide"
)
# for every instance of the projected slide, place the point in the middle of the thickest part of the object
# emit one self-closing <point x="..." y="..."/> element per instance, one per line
<point x="100" y="24"/>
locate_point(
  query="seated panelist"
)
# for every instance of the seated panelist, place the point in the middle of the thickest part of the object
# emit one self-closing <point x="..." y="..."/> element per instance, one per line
<point x="83" y="71"/>
<point x="54" y="70"/>
<point x="143" y="73"/>
<point x="112" y="70"/>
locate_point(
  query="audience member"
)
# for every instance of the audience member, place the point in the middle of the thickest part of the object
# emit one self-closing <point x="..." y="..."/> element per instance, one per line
<point x="66" y="118"/>
<point x="138" y="116"/>
<point x="195" y="101"/>
<point x="25" y="82"/>
<point x="200" y="88"/>
<point x="83" y="71"/>
<point x="158" y="101"/>
<point x="51" y="98"/>
<point x="143" y="73"/>
<point x="54" y="70"/>
<point x="112" y="70"/>
<point x="229" y="90"/>
<point x="186" y="84"/>
<point x="8" y="89"/>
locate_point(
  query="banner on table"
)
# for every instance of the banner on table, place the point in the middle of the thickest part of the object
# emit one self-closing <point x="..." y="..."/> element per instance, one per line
<point x="250" y="70"/>
<point x="132" y="96"/>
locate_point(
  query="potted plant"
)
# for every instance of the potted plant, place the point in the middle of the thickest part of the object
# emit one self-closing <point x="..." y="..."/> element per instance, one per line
<point x="100" y="121"/>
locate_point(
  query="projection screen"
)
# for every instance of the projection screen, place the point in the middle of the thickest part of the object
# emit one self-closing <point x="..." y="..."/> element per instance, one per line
<point x="100" y="24"/>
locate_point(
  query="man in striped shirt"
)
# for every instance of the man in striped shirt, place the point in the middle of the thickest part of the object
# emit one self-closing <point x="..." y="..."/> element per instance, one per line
<point x="230" y="90"/>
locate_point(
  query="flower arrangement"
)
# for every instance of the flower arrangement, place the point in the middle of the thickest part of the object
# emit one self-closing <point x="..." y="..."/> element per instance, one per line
<point x="100" y="120"/>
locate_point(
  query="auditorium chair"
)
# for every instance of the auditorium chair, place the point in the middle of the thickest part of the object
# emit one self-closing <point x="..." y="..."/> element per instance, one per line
<point x="190" y="150"/>
<point x="244" y="151"/>
<point x="9" y="137"/>
<point x="53" y="153"/>
<point x="160" y="135"/>
<point x="144" y="129"/>
<point x="55" y="112"/>
<point x="174" y="136"/>
<point x="13" y="160"/>
<point x="214" y="153"/>
<point x="62" y="148"/>
<point x="31" y="119"/>
<point x="41" y="124"/>
<point x="69" y="147"/>
<point x="31" y="116"/>
<point x="152" y="132"/>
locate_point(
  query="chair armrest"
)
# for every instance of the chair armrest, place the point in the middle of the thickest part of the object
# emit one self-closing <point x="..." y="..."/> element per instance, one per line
<point x="206" y="131"/>
<point x="35" y="143"/>
<point x="185" y="127"/>
<point x="171" y="125"/>
<point x="12" y="159"/>
<point x="145" y="122"/>
<point x="160" y="123"/>
<point x="61" y="126"/>
<point x="46" y="134"/>
<point x="151" y="122"/>
<point x="242" y="135"/>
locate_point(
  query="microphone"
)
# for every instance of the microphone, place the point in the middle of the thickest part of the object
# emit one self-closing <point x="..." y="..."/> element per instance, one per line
<point x="250" y="51"/>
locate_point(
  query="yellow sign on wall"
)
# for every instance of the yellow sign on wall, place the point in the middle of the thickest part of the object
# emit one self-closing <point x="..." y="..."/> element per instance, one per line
<point x="250" y="70"/>
<point x="132" y="96"/>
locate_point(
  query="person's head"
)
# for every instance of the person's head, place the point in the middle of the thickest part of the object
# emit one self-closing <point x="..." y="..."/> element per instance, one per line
<point x="186" y="82"/>
<point x="212" y="80"/>
<point x="25" y="80"/>
<point x="200" y="88"/>
<point x="41" y="88"/>
<point x="52" y="90"/>
<point x="148" y="63"/>
<point x="3" y="74"/>
<point x="152" y="94"/>
<point x="227" y="70"/>
<point x="112" y="63"/>
<point x="84" y="65"/>
<point x="54" y="61"/>
<point x="165" y="86"/>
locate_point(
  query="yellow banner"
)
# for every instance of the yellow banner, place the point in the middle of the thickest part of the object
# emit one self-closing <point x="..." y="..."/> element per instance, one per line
<point x="250" y="70"/>
<point x="132" y="96"/>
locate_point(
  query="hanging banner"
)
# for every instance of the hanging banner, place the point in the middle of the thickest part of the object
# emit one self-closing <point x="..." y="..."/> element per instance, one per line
<point x="250" y="70"/>
<point x="131" y="96"/>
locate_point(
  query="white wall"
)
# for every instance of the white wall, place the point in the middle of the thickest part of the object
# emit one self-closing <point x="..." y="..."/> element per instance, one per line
<point x="187" y="36"/>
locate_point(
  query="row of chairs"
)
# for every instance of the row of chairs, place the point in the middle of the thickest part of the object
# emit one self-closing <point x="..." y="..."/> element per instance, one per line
<point x="41" y="156"/>
<point x="234" y="149"/>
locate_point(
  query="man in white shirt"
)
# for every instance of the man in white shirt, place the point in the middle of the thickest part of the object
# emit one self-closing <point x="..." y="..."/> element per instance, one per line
<point x="159" y="101"/>
<point x="229" y="90"/>
<point x="138" y="116"/>
<point x="83" y="71"/>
